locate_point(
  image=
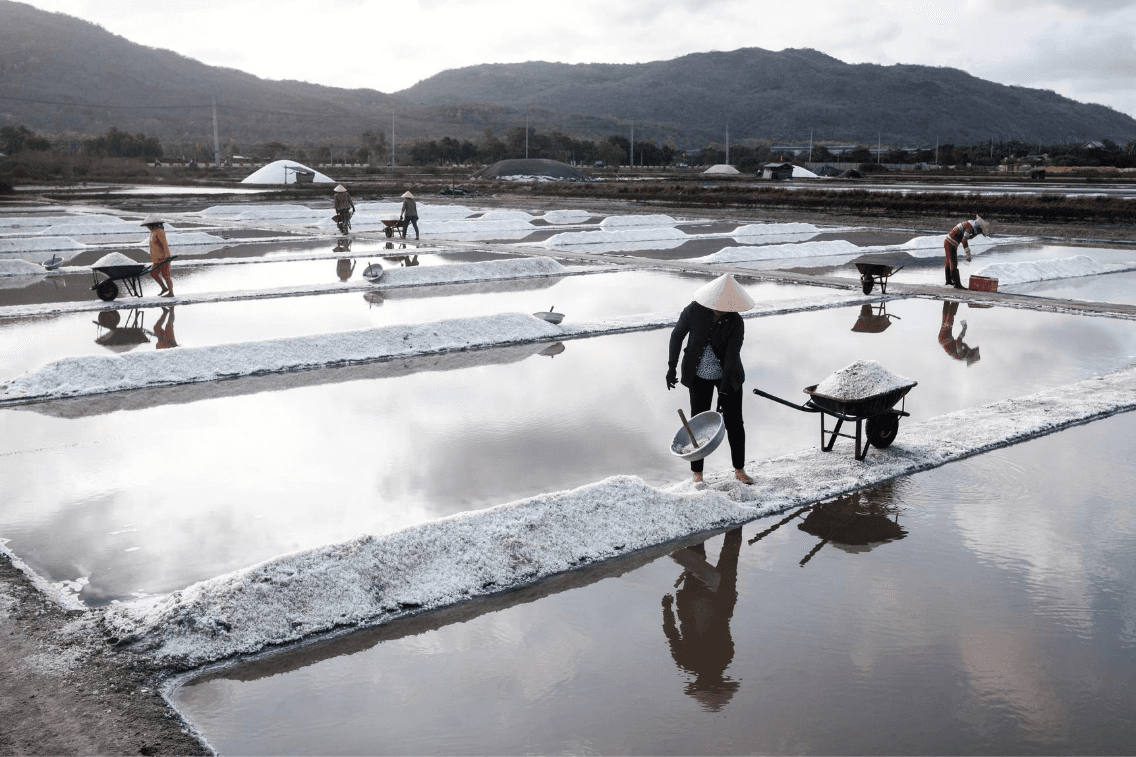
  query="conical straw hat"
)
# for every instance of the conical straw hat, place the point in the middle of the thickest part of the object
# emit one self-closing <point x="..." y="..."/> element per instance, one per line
<point x="408" y="194"/>
<point x="341" y="188"/>
<point x="724" y="295"/>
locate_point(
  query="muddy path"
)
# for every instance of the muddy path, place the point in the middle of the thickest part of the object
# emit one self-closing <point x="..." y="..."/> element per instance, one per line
<point x="68" y="692"/>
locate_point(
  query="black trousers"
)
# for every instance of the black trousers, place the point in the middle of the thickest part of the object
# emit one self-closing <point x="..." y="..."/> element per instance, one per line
<point x="701" y="395"/>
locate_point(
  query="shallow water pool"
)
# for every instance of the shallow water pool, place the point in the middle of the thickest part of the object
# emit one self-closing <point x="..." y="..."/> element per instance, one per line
<point x="149" y="491"/>
<point x="986" y="607"/>
<point x="29" y="343"/>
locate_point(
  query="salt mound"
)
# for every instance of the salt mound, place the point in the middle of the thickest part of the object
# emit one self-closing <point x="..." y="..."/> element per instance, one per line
<point x="283" y="172"/>
<point x="19" y="268"/>
<point x="803" y="173"/>
<point x="722" y="168"/>
<point x="861" y="380"/>
<point x="1047" y="270"/>
<point x="113" y="258"/>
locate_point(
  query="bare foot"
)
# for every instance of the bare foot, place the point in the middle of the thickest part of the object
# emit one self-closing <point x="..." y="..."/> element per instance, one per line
<point x="698" y="478"/>
<point x="742" y="476"/>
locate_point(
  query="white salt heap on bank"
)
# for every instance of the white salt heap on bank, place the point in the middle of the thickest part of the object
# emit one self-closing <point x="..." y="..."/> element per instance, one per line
<point x="860" y="380"/>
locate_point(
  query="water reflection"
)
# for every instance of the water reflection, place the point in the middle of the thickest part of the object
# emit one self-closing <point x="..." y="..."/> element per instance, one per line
<point x="700" y="642"/>
<point x="952" y="345"/>
<point x="164" y="330"/>
<point x="873" y="318"/>
<point x="405" y="261"/>
<point x="119" y="336"/>
<point x="857" y="522"/>
<point x="552" y="350"/>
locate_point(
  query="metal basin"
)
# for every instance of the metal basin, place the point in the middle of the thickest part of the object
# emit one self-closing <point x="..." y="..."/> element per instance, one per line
<point x="550" y="317"/>
<point x="373" y="272"/>
<point x="708" y="424"/>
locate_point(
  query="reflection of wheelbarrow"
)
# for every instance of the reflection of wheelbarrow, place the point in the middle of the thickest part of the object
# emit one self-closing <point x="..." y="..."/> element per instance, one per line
<point x="854" y="523"/>
<point x="878" y="410"/>
<point x="877" y="269"/>
<point x="130" y="275"/>
<point x="121" y="338"/>
<point x="390" y="226"/>
<point x="873" y="320"/>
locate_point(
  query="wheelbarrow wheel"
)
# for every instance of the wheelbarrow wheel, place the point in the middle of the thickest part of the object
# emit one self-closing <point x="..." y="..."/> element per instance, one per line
<point x="389" y="231"/>
<point x="107" y="290"/>
<point x="882" y="429"/>
<point x="866" y="283"/>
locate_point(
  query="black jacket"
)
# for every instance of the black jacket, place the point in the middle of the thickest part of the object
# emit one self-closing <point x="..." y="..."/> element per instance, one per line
<point x="724" y="337"/>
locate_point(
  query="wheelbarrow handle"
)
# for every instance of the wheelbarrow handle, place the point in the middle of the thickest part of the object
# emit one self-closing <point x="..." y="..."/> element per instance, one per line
<point x="805" y="408"/>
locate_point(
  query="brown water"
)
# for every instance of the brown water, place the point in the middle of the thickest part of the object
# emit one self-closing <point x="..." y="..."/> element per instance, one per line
<point x="986" y="607"/>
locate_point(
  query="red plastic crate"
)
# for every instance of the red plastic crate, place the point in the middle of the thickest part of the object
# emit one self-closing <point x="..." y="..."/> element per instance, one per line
<point x="983" y="284"/>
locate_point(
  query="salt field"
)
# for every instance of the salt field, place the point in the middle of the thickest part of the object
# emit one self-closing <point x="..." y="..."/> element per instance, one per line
<point x="315" y="494"/>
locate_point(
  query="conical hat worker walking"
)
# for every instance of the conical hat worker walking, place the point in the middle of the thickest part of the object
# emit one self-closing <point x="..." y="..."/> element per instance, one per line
<point x="159" y="254"/>
<point x="409" y="212"/>
<point x="712" y="360"/>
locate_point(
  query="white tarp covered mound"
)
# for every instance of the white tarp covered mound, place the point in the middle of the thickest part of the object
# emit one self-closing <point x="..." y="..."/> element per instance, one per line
<point x="722" y="168"/>
<point x="283" y="172"/>
<point x="1047" y="270"/>
<point x="803" y="173"/>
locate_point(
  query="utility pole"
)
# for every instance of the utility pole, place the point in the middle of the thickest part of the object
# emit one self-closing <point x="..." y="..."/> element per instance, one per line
<point x="392" y="140"/>
<point x="727" y="144"/>
<point x="878" y="147"/>
<point x="810" y="145"/>
<point x="216" y="139"/>
<point x="631" y="152"/>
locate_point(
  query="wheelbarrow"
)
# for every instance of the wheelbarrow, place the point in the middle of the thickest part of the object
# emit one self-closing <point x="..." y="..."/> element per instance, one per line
<point x="129" y="274"/>
<point x="877" y="269"/>
<point x="391" y="225"/>
<point x="877" y="413"/>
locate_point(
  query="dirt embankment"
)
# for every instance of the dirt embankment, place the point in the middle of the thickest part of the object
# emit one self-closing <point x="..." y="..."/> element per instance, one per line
<point x="65" y="692"/>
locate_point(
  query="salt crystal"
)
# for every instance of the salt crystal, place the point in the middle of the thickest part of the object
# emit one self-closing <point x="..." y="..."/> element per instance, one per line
<point x="861" y="380"/>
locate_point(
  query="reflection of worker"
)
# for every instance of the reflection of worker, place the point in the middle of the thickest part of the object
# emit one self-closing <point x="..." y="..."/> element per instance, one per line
<point x="712" y="360"/>
<point x="159" y="255"/>
<point x="409" y="213"/>
<point x="956" y="348"/>
<point x="164" y="330"/>
<point x="701" y="642"/>
<point x="960" y="234"/>
<point x="344" y="267"/>
<point x="344" y="206"/>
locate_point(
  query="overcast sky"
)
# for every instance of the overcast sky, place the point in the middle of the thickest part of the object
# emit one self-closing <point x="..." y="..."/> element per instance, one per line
<point x="1084" y="49"/>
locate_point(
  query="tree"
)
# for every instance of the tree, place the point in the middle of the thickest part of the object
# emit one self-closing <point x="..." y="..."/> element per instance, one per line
<point x="13" y="139"/>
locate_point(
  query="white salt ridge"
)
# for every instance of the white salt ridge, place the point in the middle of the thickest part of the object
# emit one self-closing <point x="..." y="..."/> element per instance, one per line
<point x="118" y="227"/>
<point x="773" y="229"/>
<point x="85" y="376"/>
<point x="1009" y="274"/>
<point x="567" y="216"/>
<point x="507" y="215"/>
<point x="113" y="258"/>
<point x="38" y="244"/>
<point x="76" y="376"/>
<point x="619" y="222"/>
<point x="20" y="268"/>
<point x="861" y="380"/>
<point x="618" y="240"/>
<point x="21" y="223"/>
<point x="782" y="252"/>
<point x="374" y="579"/>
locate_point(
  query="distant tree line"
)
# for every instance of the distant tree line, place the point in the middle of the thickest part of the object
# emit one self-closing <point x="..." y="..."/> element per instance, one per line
<point x="113" y="144"/>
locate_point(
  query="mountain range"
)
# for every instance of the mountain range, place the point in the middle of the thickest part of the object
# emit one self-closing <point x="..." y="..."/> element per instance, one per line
<point x="62" y="75"/>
